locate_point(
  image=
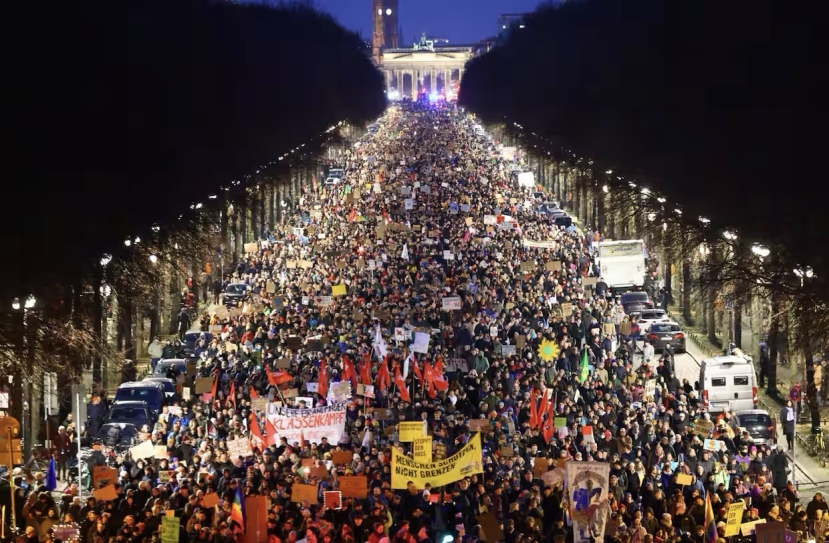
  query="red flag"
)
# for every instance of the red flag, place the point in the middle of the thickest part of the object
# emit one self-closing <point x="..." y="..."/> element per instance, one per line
<point x="253" y="393"/>
<point x="270" y="433"/>
<point x="534" y="419"/>
<point x="416" y="370"/>
<point x="279" y="377"/>
<point x="429" y="379"/>
<point x="232" y="393"/>
<point x="352" y="215"/>
<point x="385" y="214"/>
<point x="322" y="388"/>
<point x="365" y="369"/>
<point x="548" y="426"/>
<point x="215" y="386"/>
<point x="349" y="373"/>
<point x="401" y="385"/>
<point x="438" y="379"/>
<point x="383" y="381"/>
<point x="253" y="426"/>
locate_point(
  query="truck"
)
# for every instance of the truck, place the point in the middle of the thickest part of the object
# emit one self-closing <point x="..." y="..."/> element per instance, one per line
<point x="622" y="264"/>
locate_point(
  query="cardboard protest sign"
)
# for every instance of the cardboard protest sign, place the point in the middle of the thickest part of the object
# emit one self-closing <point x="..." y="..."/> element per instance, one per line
<point x="300" y="493"/>
<point x="354" y="486"/>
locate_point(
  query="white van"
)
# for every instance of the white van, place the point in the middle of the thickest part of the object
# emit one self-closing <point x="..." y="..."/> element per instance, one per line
<point x="727" y="382"/>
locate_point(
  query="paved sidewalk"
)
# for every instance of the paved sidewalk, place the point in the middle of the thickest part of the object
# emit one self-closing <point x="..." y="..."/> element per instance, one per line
<point x="809" y="475"/>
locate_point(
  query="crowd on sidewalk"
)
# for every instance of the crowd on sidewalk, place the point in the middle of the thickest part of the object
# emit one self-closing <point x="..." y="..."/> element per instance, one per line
<point x="427" y="286"/>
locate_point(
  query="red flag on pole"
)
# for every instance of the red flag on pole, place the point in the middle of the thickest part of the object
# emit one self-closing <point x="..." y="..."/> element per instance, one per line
<point x="401" y="385"/>
<point x="322" y="389"/>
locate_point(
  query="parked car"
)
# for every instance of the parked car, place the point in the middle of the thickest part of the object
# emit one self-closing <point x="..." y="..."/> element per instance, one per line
<point x="164" y="365"/>
<point x="235" y="293"/>
<point x="635" y="302"/>
<point x="759" y="424"/>
<point x="651" y="316"/>
<point x="133" y="412"/>
<point x="190" y="339"/>
<point x="169" y="384"/>
<point x="146" y="391"/>
<point x="662" y="334"/>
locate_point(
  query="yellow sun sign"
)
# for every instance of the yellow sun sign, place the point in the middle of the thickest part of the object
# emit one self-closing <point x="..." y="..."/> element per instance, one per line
<point x="548" y="350"/>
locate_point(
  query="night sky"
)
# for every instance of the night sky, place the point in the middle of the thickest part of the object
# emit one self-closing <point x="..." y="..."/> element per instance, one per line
<point x="459" y="21"/>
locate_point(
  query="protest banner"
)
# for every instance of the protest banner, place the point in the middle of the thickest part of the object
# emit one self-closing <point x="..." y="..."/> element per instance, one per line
<point x="170" y="528"/>
<point x="582" y="478"/>
<point x="770" y="532"/>
<point x="300" y="493"/>
<point x="408" y="431"/>
<point x="467" y="461"/>
<point x="451" y="303"/>
<point x="340" y="458"/>
<point x="238" y="447"/>
<point x="422" y="449"/>
<point x="734" y="518"/>
<point x="353" y="486"/>
<point x="703" y="427"/>
<point x="312" y="424"/>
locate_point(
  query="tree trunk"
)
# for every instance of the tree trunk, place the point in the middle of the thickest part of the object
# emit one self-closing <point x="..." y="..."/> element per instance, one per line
<point x="712" y="320"/>
<point x="774" y="334"/>
<point x="686" y="291"/>
<point x="97" y="321"/>
<point x="737" y="313"/>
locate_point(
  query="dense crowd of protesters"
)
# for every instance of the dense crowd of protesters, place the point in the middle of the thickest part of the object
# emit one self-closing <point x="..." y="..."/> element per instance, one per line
<point x="397" y="265"/>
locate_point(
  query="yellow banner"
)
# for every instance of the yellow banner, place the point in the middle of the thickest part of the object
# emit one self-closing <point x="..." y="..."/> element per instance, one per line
<point x="422" y="449"/>
<point x="467" y="461"/>
<point x="410" y="430"/>
<point x="734" y="518"/>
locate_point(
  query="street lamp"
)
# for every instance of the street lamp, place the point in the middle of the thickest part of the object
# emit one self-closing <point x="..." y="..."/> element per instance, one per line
<point x="804" y="273"/>
<point x="106" y="259"/>
<point x="30" y="302"/>
<point x="760" y="250"/>
<point x="16" y="304"/>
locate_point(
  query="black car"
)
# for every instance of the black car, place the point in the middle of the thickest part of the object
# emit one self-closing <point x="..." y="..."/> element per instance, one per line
<point x="190" y="339"/>
<point x="235" y="293"/>
<point x="759" y="425"/>
<point x="635" y="302"/>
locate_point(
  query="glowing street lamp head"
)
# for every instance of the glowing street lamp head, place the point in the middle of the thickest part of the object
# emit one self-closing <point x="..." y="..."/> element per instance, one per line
<point x="30" y="302"/>
<point x="16" y="304"/>
<point x="760" y="250"/>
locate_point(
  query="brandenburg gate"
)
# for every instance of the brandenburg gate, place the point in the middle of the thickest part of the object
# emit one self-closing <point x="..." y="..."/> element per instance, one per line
<point x="423" y="68"/>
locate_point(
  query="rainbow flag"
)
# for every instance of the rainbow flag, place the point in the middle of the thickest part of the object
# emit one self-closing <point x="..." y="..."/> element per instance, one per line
<point x="237" y="509"/>
<point x="710" y="521"/>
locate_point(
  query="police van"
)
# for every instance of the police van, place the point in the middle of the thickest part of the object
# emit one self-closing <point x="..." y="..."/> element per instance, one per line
<point x="727" y="382"/>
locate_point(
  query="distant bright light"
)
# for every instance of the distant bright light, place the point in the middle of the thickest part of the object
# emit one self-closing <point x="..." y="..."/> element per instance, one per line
<point x="704" y="220"/>
<point x="30" y="302"/>
<point x="678" y="211"/>
<point x="137" y="240"/>
<point x="127" y="242"/>
<point x="646" y="190"/>
<point x="807" y="272"/>
<point x="433" y="97"/>
<point x="729" y="235"/>
<point x="393" y="95"/>
<point x="609" y="172"/>
<point x="520" y="26"/>
<point x="380" y="11"/>
<point x="156" y="228"/>
<point x="16" y="304"/>
<point x="153" y="259"/>
<point x="661" y="200"/>
<point x="106" y="259"/>
<point x="760" y="250"/>
<point x="388" y="11"/>
<point x="651" y="217"/>
<point x="606" y="189"/>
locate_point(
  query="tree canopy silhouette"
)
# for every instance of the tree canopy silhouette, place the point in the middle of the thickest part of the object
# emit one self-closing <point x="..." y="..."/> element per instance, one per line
<point x="715" y="105"/>
<point x="122" y="114"/>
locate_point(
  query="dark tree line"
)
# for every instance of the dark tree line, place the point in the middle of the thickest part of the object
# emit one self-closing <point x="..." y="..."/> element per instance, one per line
<point x="717" y="105"/>
<point x="118" y="116"/>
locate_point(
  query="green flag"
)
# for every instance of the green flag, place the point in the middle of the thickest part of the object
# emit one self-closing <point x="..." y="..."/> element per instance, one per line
<point x="584" y="367"/>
